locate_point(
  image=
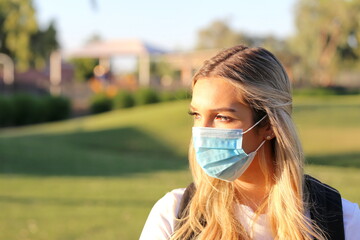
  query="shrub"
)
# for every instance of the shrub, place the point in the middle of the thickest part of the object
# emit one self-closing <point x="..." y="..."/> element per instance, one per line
<point x="100" y="103"/>
<point x="39" y="111"/>
<point x="56" y="108"/>
<point x="83" y="68"/>
<point x="26" y="109"/>
<point x="22" y="109"/>
<point x="325" y="91"/>
<point x="182" y="94"/>
<point x="6" y="111"/>
<point x="146" y="96"/>
<point x="123" y="99"/>
<point x="167" y="96"/>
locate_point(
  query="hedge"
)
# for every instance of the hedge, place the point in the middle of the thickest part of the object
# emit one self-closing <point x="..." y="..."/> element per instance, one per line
<point x="22" y="109"/>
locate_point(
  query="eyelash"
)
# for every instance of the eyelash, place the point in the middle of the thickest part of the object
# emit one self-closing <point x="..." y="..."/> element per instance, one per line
<point x="221" y="117"/>
<point x="194" y="114"/>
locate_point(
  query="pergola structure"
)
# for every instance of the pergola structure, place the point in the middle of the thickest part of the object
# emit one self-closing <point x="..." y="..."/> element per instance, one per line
<point x="105" y="50"/>
<point x="186" y="62"/>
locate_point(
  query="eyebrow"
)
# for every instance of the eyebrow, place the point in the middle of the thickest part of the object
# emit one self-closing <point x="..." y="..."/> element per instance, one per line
<point x="218" y="109"/>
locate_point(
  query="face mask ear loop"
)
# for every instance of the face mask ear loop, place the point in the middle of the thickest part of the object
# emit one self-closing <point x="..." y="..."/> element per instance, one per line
<point x="255" y="124"/>
<point x="262" y="143"/>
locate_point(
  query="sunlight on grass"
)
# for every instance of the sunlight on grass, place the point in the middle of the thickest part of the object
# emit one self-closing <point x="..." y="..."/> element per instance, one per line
<point x="343" y="179"/>
<point x="81" y="207"/>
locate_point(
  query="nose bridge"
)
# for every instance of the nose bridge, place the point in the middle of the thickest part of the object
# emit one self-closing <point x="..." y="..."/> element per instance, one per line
<point x="206" y="121"/>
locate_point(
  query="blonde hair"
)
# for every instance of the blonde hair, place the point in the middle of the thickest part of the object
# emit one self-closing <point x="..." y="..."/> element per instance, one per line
<point x="264" y="85"/>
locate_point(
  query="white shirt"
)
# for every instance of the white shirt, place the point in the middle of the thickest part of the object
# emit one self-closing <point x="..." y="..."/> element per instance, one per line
<point x="161" y="220"/>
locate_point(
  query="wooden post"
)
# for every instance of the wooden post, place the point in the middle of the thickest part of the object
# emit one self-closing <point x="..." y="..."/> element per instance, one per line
<point x="55" y="73"/>
<point x="105" y="62"/>
<point x="144" y="69"/>
<point x="8" y="72"/>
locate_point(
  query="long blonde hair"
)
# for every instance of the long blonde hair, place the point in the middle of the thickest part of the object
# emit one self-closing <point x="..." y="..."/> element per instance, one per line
<point x="265" y="87"/>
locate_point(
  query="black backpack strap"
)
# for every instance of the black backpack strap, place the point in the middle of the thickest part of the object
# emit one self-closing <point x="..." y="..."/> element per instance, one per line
<point x="183" y="208"/>
<point x="185" y="200"/>
<point x="325" y="208"/>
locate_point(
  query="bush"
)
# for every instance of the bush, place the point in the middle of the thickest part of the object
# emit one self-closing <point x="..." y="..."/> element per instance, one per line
<point x="182" y="94"/>
<point x="100" y="103"/>
<point x="39" y="111"/>
<point x="123" y="99"/>
<point x="56" y="108"/>
<point x="22" y="109"/>
<point x="6" y="111"/>
<point x="167" y="96"/>
<point x="146" y="96"/>
<point x="325" y="91"/>
<point x="26" y="109"/>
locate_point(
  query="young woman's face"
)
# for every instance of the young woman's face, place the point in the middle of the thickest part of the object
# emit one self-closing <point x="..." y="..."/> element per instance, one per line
<point x="216" y="103"/>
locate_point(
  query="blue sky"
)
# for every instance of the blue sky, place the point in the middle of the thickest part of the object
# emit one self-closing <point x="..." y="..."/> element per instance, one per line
<point x="172" y="25"/>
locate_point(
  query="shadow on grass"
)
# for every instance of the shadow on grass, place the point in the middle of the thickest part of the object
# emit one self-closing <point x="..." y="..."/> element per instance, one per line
<point x="42" y="201"/>
<point x="113" y="152"/>
<point x="337" y="160"/>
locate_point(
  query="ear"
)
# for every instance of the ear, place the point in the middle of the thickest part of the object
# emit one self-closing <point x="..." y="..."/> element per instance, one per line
<point x="267" y="132"/>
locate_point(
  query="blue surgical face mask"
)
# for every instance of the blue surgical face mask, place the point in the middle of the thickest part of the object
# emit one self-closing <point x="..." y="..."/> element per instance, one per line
<point x="219" y="151"/>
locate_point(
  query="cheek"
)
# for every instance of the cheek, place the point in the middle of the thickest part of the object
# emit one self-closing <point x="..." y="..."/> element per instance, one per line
<point x="251" y="142"/>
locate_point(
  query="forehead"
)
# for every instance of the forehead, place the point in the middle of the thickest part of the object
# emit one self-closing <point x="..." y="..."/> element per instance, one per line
<point x="215" y="92"/>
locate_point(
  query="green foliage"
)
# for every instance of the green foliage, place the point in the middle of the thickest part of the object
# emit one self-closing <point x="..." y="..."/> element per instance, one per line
<point x="27" y="109"/>
<point x="162" y="68"/>
<point x="123" y="99"/>
<point x="314" y="92"/>
<point x="325" y="91"/>
<point x="182" y="94"/>
<point x="218" y="35"/>
<point x="43" y="43"/>
<point x="17" y="24"/>
<point x="6" y="111"/>
<point x="167" y="96"/>
<point x="57" y="108"/>
<point x="146" y="96"/>
<point x="84" y="68"/>
<point x="327" y="37"/>
<point x="22" y="109"/>
<point x="100" y="103"/>
<point x="20" y="37"/>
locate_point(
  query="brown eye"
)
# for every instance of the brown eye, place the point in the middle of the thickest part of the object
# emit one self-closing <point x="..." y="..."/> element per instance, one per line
<point x="194" y="114"/>
<point x="223" y="118"/>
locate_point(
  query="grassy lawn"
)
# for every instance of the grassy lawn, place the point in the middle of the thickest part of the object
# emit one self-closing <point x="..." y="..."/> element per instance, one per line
<point x="98" y="177"/>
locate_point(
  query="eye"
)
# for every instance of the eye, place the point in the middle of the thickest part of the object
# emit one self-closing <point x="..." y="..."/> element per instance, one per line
<point x="194" y="114"/>
<point x="223" y="118"/>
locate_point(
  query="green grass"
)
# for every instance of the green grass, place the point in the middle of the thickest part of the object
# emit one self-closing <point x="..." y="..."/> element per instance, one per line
<point x="97" y="177"/>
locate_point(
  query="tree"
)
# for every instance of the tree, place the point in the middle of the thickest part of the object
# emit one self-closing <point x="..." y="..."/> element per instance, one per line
<point x="162" y="68"/>
<point x="324" y="28"/>
<point x="17" y="24"/>
<point x="43" y="43"/>
<point x="219" y="35"/>
<point x="84" y="67"/>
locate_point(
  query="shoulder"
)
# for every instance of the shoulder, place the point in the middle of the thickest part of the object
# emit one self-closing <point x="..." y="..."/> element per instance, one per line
<point x="351" y="215"/>
<point x="169" y="203"/>
<point x="161" y="220"/>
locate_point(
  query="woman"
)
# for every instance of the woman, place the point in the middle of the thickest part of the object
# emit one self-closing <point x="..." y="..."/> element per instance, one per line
<point x="247" y="162"/>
